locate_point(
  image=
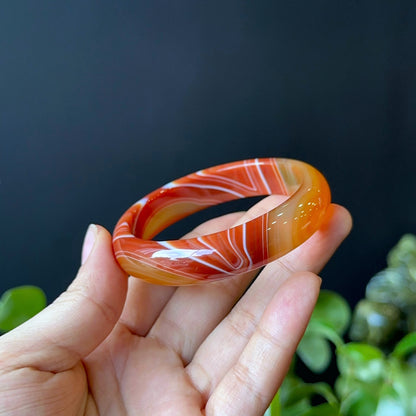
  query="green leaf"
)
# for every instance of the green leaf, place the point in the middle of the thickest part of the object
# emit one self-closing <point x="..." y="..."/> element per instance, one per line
<point x="323" y="330"/>
<point x="329" y="319"/>
<point x="404" y="252"/>
<point x="298" y="409"/>
<point x="361" y="402"/>
<point x="405" y="346"/>
<point x="307" y="391"/>
<point x="411" y="318"/>
<point x="389" y="403"/>
<point x="332" y="310"/>
<point x="295" y="397"/>
<point x="314" y="349"/>
<point x="287" y="401"/>
<point x="275" y="406"/>
<point x="392" y="285"/>
<point x="402" y="377"/>
<point x="294" y="389"/>
<point x="315" y="352"/>
<point x="289" y="385"/>
<point x="361" y="362"/>
<point x="324" y="409"/>
<point x="19" y="304"/>
<point x="312" y="389"/>
<point x="374" y="322"/>
<point x="397" y="283"/>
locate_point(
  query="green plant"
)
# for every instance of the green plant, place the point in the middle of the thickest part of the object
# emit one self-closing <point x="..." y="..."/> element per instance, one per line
<point x="377" y="366"/>
<point x="18" y="305"/>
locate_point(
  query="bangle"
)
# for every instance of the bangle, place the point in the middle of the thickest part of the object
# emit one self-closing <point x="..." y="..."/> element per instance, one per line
<point x="233" y="251"/>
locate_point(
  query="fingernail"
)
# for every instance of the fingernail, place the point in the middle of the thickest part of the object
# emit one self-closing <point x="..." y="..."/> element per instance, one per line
<point x="89" y="241"/>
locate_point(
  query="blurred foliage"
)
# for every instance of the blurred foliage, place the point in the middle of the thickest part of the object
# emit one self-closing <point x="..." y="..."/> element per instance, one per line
<point x="377" y="366"/>
<point x="389" y="309"/>
<point x="19" y="304"/>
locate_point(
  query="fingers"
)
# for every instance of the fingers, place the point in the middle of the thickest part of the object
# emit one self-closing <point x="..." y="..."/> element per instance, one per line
<point x="251" y="383"/>
<point x="236" y="329"/>
<point x="79" y="320"/>
<point x="143" y="305"/>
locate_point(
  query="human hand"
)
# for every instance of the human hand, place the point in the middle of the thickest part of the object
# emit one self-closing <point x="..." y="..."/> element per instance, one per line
<point x="113" y="345"/>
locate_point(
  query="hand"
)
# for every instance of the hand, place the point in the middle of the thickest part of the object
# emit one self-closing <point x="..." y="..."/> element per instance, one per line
<point x="113" y="345"/>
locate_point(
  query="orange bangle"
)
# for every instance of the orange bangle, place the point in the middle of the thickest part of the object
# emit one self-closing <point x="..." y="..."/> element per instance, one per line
<point x="226" y="253"/>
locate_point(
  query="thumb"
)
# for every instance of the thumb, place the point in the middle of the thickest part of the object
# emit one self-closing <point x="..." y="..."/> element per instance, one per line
<point x="79" y="319"/>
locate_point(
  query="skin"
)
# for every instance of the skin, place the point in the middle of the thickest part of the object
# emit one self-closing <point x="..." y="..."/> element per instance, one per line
<point x="114" y="345"/>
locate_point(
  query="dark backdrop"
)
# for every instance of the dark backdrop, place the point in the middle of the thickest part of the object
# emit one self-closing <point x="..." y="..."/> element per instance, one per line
<point x="103" y="101"/>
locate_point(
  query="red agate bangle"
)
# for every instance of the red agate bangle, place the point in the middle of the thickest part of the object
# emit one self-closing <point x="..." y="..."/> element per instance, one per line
<point x="226" y="253"/>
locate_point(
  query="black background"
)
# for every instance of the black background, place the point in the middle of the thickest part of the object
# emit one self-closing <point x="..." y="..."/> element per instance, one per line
<point x="103" y="101"/>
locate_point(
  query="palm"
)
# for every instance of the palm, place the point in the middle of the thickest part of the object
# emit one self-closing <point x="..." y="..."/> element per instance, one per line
<point x="145" y="377"/>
